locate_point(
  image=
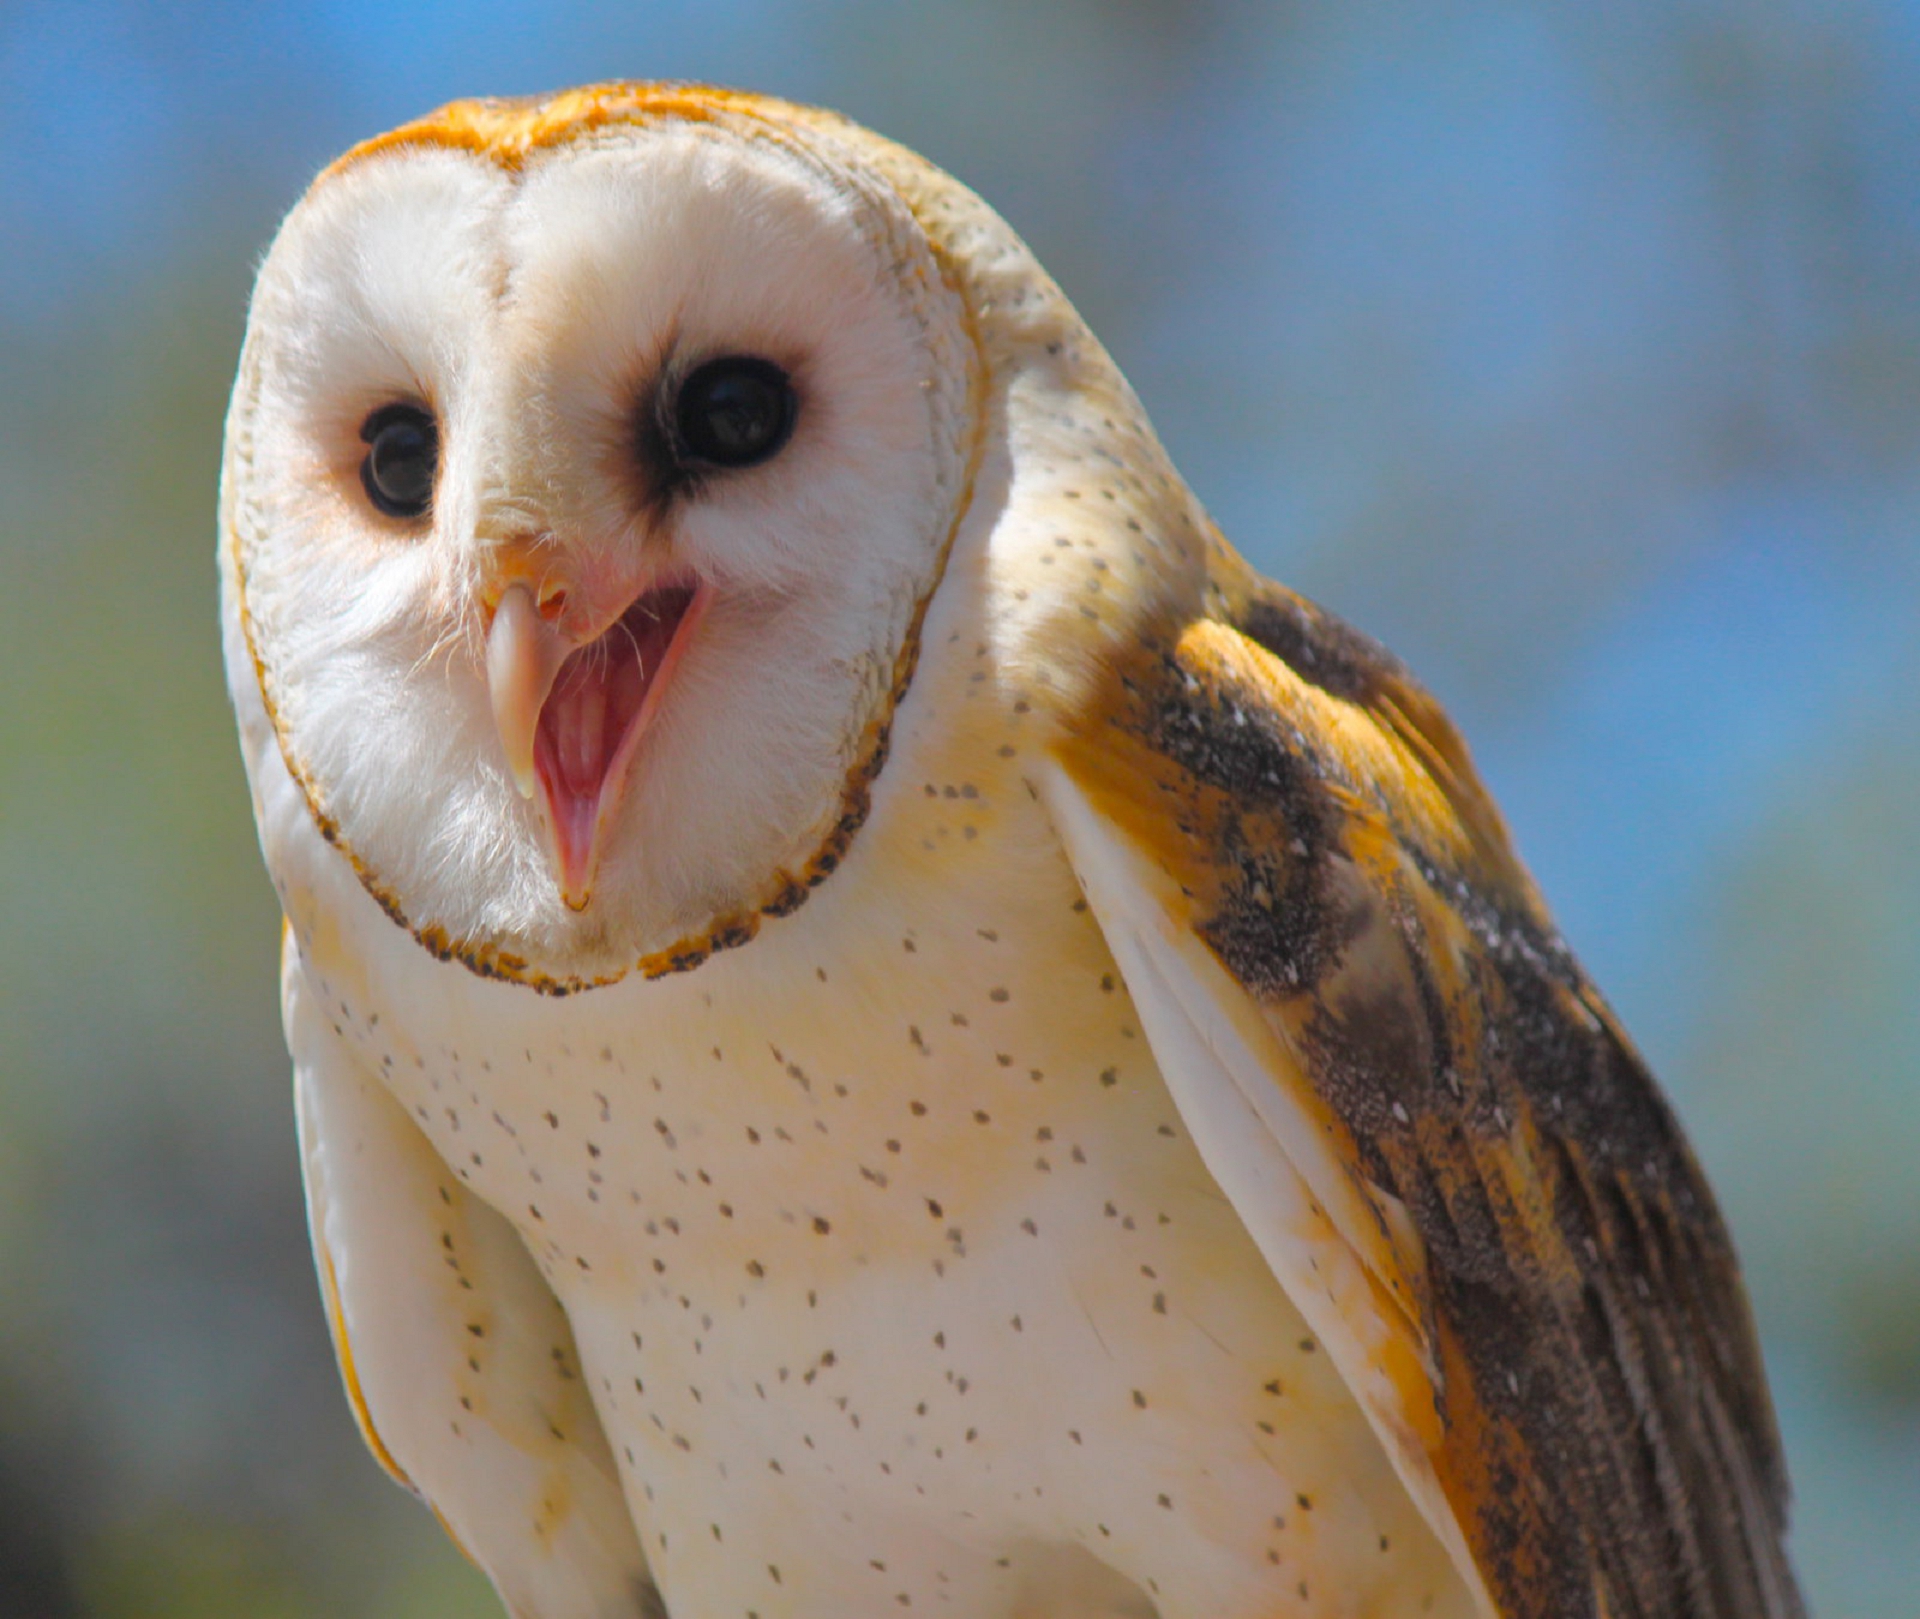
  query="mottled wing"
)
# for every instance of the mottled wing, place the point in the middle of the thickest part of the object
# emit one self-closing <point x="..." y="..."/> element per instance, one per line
<point x="1350" y="980"/>
<point x="458" y="1361"/>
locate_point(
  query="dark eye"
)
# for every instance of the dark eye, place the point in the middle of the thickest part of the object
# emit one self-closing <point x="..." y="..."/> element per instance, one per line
<point x="403" y="449"/>
<point x="734" y="412"/>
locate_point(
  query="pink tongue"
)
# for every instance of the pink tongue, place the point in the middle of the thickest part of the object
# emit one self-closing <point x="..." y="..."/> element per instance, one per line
<point x="591" y="710"/>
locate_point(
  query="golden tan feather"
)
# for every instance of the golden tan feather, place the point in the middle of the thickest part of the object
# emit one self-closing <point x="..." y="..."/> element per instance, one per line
<point x="1605" y="1431"/>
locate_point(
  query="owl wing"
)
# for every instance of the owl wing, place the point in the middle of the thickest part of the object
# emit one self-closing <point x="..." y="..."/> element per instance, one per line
<point x="458" y="1361"/>
<point x="1444" y="1144"/>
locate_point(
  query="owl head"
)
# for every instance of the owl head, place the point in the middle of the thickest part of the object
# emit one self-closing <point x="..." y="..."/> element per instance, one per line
<point x="589" y="467"/>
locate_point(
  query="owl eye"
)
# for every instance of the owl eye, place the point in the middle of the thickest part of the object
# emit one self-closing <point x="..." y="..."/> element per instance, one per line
<point x="403" y="450"/>
<point x="734" y="412"/>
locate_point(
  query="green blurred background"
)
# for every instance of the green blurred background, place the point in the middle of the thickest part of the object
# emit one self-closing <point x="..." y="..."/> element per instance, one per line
<point x="1572" y="349"/>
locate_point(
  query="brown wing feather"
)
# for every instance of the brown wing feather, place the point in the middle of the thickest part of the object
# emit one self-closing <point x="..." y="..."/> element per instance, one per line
<point x="1609" y="1445"/>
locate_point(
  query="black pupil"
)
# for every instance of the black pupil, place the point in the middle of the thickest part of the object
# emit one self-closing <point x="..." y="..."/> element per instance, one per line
<point x="403" y="449"/>
<point x="734" y="412"/>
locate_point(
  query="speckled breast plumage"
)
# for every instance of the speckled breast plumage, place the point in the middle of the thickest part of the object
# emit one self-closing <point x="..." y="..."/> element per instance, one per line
<point x="895" y="1276"/>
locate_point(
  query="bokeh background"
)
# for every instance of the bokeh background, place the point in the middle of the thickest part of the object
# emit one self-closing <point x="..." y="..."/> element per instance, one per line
<point x="1573" y="349"/>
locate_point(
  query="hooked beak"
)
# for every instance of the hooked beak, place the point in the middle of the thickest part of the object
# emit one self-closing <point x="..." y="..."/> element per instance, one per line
<point x="524" y="653"/>
<point x="571" y="713"/>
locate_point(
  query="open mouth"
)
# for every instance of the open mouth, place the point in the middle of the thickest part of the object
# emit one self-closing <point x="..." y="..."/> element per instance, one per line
<point x="596" y="711"/>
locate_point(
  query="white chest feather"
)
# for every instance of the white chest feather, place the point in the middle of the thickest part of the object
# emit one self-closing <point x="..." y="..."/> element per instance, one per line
<point x="894" y="1273"/>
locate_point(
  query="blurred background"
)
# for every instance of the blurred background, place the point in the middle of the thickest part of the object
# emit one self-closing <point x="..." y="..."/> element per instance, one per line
<point x="1573" y="350"/>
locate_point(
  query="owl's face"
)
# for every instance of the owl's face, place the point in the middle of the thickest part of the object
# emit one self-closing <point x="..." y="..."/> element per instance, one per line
<point x="579" y="504"/>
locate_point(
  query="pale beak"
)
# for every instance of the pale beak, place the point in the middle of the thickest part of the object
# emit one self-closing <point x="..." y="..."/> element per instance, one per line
<point x="524" y="653"/>
<point x="570" y="713"/>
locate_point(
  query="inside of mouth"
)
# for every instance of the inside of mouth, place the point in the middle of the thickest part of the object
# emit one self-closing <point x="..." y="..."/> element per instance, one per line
<point x="596" y="703"/>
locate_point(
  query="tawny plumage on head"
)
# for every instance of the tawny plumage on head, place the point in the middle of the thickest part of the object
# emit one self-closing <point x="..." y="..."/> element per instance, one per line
<point x="879" y="1023"/>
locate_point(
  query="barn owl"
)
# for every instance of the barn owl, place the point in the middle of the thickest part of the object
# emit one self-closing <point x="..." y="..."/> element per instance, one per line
<point x="878" y="1022"/>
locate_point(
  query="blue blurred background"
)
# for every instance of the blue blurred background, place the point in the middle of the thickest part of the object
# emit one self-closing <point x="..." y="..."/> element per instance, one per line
<point x="1572" y="349"/>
